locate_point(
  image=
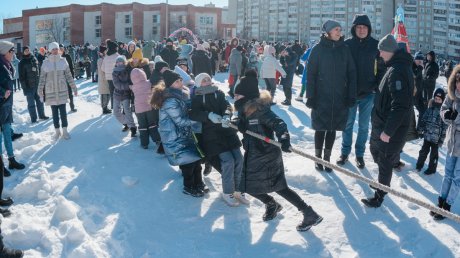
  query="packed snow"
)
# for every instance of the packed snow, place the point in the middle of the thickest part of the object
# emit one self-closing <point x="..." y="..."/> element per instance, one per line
<point x="100" y="194"/>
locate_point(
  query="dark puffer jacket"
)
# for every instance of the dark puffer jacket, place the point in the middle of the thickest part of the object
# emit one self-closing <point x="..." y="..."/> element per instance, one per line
<point x="201" y="63"/>
<point x="430" y="74"/>
<point x="370" y="68"/>
<point x="6" y="83"/>
<point x="169" y="55"/>
<point x="263" y="169"/>
<point x="29" y="74"/>
<point x="216" y="139"/>
<point x="431" y="125"/>
<point x="331" y="76"/>
<point x="289" y="64"/>
<point x="393" y="103"/>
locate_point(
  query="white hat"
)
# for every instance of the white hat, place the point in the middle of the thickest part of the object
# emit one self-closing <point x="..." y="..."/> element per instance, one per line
<point x="5" y="46"/>
<point x="53" y="45"/>
<point x="200" y="77"/>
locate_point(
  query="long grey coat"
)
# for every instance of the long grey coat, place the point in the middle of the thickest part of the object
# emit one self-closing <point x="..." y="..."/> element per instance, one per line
<point x="453" y="131"/>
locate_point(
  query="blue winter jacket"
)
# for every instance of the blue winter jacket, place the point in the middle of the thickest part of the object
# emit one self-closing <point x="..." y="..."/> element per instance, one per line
<point x="304" y="60"/>
<point x="175" y="129"/>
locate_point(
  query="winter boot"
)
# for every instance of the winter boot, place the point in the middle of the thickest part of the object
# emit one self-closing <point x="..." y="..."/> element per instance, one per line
<point x="429" y="172"/>
<point x="160" y="149"/>
<point x="14" y="164"/>
<point x="192" y="191"/>
<point x="310" y="218"/>
<point x="271" y="210"/>
<point x="5" y="213"/>
<point x="203" y="188"/>
<point x="318" y="166"/>
<point x="57" y="135"/>
<point x="398" y="167"/>
<point x="286" y="102"/>
<point x="16" y="136"/>
<point x="342" y="160"/>
<point x="133" y="131"/>
<point x="106" y="111"/>
<point x="440" y="204"/>
<point x="241" y="197"/>
<point x="11" y="253"/>
<point x="374" y="202"/>
<point x="207" y="168"/>
<point x="360" y="162"/>
<point x="445" y="206"/>
<point x="327" y="157"/>
<point x="6" y="172"/>
<point x="125" y="128"/>
<point x="65" y="133"/>
<point x="230" y="200"/>
<point x="6" y="202"/>
<point x="299" y="98"/>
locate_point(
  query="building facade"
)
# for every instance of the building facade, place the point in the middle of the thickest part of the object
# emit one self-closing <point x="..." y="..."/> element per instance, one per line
<point x="78" y="24"/>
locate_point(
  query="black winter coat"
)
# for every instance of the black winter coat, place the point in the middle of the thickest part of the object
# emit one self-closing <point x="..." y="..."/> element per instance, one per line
<point x="289" y="64"/>
<point x="201" y="63"/>
<point x="263" y="169"/>
<point x="430" y="74"/>
<point x="6" y="83"/>
<point x="169" y="56"/>
<point x="393" y="103"/>
<point x="216" y="139"/>
<point x="70" y="62"/>
<point x="331" y="76"/>
<point x="29" y="74"/>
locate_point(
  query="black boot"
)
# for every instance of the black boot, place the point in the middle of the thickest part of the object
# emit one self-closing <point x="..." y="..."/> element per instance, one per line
<point x="106" y="111"/>
<point x="5" y="213"/>
<point x="360" y="162"/>
<point x="207" y="168"/>
<point x="271" y="210"/>
<point x="318" y="166"/>
<point x="160" y="149"/>
<point x="6" y="172"/>
<point x="13" y="164"/>
<point x="342" y="160"/>
<point x="133" y="131"/>
<point x="374" y="202"/>
<point x="445" y="206"/>
<point x="327" y="157"/>
<point x="16" y="136"/>
<point x="286" y="102"/>
<point x="310" y="218"/>
<point x="6" y="202"/>
<point x="11" y="253"/>
<point x="440" y="204"/>
<point x="125" y="128"/>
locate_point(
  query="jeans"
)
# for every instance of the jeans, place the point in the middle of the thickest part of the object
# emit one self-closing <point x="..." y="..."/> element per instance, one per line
<point x="270" y="85"/>
<point x="59" y="110"/>
<point x="365" y="106"/>
<point x="34" y="105"/>
<point x="6" y="131"/>
<point x="232" y="166"/>
<point x="126" y="117"/>
<point x="451" y="182"/>
<point x="288" y="194"/>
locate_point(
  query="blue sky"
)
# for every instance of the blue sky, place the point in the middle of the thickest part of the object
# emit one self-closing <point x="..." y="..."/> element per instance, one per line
<point x="15" y="10"/>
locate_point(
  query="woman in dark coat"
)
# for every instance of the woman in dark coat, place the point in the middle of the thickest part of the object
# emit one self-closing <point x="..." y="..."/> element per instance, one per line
<point x="331" y="76"/>
<point x="263" y="169"/>
<point x="201" y="61"/>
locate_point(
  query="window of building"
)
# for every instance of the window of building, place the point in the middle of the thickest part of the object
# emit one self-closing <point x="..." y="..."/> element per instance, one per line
<point x="98" y="20"/>
<point x="155" y="18"/>
<point x="127" y="19"/>
<point x="98" y="33"/>
<point x="128" y="32"/>
<point x="66" y="36"/>
<point x="154" y="30"/>
<point x="66" y="22"/>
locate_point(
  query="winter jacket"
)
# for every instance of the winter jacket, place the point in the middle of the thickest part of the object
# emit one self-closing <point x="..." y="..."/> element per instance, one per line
<point x="289" y="64"/>
<point x="393" y="103"/>
<point x="29" y="74"/>
<point x="430" y="74"/>
<point x="143" y="64"/>
<point x="142" y="90"/>
<point x="175" y="129"/>
<point x="297" y="48"/>
<point x="216" y="139"/>
<point x="15" y="64"/>
<point x="263" y="168"/>
<point x="121" y="82"/>
<point x="228" y="49"/>
<point x="55" y="75"/>
<point x="331" y="76"/>
<point x="453" y="129"/>
<point x="6" y="83"/>
<point x="304" y="60"/>
<point x="108" y="64"/>
<point x="201" y="62"/>
<point x="366" y="56"/>
<point x="147" y="50"/>
<point x="253" y="63"/>
<point x="432" y="126"/>
<point x="185" y="53"/>
<point x="235" y="63"/>
<point x="40" y="59"/>
<point x="102" y="84"/>
<point x="270" y="66"/>
<point x="169" y="55"/>
<point x="70" y="63"/>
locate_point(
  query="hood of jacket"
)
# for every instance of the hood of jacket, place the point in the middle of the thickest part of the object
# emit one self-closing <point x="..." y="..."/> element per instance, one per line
<point x="261" y="103"/>
<point x="361" y="19"/>
<point x="138" y="76"/>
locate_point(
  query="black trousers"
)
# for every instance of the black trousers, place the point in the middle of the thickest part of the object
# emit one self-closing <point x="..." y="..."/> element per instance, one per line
<point x="271" y="85"/>
<point x="324" y="138"/>
<point x="385" y="161"/>
<point x="423" y="154"/>
<point x="287" y="194"/>
<point x="111" y="89"/>
<point x="192" y="174"/>
<point x="72" y="105"/>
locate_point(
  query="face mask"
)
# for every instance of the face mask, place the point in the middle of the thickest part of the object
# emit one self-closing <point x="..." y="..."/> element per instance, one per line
<point x="239" y="104"/>
<point x="436" y="104"/>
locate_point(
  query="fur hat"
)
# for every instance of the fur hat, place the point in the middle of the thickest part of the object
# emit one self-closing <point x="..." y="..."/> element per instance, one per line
<point x="388" y="44"/>
<point x="5" y="47"/>
<point x="138" y="54"/>
<point x="160" y="65"/>
<point x="249" y="85"/>
<point x="111" y="45"/>
<point x="170" y="77"/>
<point x="439" y="92"/>
<point x="206" y="45"/>
<point x="199" y="47"/>
<point x="53" y="45"/>
<point x="200" y="77"/>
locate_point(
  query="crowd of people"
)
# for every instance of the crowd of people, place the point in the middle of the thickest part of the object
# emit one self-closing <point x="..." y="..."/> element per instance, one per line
<point x="168" y="87"/>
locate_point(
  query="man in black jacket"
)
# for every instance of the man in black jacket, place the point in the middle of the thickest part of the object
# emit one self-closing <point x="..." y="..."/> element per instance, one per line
<point x="370" y="70"/>
<point x="391" y="113"/>
<point x="288" y="60"/>
<point x="430" y="74"/>
<point x="70" y="62"/>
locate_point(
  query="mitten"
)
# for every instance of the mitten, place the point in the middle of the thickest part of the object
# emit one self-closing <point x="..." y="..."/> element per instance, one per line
<point x="215" y="118"/>
<point x="285" y="142"/>
<point x="226" y="122"/>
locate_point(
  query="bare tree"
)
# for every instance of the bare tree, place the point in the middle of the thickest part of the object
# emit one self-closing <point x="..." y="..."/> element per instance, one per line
<point x="56" y="29"/>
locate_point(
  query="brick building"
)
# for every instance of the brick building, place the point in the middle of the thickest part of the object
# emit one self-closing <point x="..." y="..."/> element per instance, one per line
<point x="77" y="24"/>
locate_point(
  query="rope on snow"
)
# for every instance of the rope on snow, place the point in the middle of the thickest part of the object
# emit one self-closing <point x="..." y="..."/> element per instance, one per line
<point x="371" y="182"/>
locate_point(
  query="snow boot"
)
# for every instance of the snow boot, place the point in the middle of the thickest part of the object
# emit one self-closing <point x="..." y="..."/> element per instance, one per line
<point x="318" y="166"/>
<point x="230" y="200"/>
<point x="342" y="160"/>
<point x="271" y="210"/>
<point x="440" y="204"/>
<point x="57" y="135"/>
<point x="398" y="167"/>
<point x="6" y="172"/>
<point x="374" y="202"/>
<point x="445" y="206"/>
<point x="207" y="168"/>
<point x="286" y="102"/>
<point x="6" y="202"/>
<point x="125" y="128"/>
<point x="65" y="133"/>
<point x="429" y="172"/>
<point x="310" y="219"/>
<point x="106" y="111"/>
<point x="327" y="157"/>
<point x="16" y="136"/>
<point x="160" y="149"/>
<point x="202" y="187"/>
<point x="14" y="164"/>
<point x="241" y="197"/>
<point x="10" y="253"/>
<point x="192" y="191"/>
<point x="360" y="162"/>
<point x="299" y="98"/>
<point x="133" y="131"/>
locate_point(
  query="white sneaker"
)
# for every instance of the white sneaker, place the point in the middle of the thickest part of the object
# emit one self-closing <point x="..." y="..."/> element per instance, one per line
<point x="57" y="135"/>
<point x="230" y="200"/>
<point x="241" y="197"/>
<point x="299" y="98"/>
<point x="65" y="134"/>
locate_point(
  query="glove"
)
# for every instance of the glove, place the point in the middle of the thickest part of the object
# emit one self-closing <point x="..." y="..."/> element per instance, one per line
<point x="450" y="114"/>
<point x="215" y="118"/>
<point x="310" y="103"/>
<point x="285" y="142"/>
<point x="226" y="122"/>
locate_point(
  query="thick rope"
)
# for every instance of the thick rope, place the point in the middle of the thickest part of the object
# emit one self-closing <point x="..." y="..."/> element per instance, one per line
<point x="373" y="183"/>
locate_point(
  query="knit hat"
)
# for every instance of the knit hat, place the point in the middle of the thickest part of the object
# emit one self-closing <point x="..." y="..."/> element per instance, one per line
<point x="24" y="48"/>
<point x="170" y="77"/>
<point x="388" y="44"/>
<point x="419" y="56"/>
<point x="200" y="77"/>
<point x="138" y="54"/>
<point x="439" y="92"/>
<point x="182" y="61"/>
<point x="158" y="59"/>
<point x="160" y="65"/>
<point x="5" y="46"/>
<point x="249" y="85"/>
<point x="169" y="40"/>
<point x="112" y="46"/>
<point x="121" y="59"/>
<point x="53" y="45"/>
<point x="330" y="24"/>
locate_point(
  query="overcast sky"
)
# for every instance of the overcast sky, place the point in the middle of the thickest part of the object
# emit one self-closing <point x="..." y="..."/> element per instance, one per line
<point x="15" y="9"/>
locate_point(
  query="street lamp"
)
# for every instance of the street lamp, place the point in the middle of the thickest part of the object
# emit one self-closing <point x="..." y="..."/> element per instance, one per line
<point x="167" y="19"/>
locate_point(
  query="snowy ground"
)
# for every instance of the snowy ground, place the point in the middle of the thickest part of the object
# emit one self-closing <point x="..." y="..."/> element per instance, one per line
<point x="101" y="195"/>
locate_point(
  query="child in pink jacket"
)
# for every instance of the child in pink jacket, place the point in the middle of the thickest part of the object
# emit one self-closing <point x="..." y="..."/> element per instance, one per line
<point x="146" y="117"/>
